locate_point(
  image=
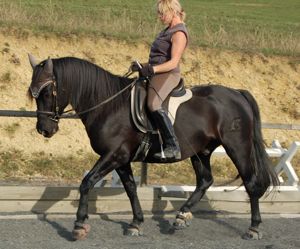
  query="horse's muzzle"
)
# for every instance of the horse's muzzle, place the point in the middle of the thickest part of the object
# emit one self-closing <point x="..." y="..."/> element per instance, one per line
<point x="47" y="133"/>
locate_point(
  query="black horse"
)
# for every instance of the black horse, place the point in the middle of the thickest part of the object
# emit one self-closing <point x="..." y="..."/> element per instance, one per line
<point x="216" y="115"/>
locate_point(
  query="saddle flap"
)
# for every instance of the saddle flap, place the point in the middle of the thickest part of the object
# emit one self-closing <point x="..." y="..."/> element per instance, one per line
<point x="138" y="104"/>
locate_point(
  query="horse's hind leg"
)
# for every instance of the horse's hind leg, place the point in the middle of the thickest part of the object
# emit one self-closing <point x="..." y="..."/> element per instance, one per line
<point x="126" y="176"/>
<point x="204" y="179"/>
<point x="240" y="154"/>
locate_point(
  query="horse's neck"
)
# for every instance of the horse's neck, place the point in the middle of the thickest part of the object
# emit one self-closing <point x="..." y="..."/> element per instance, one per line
<point x="106" y="102"/>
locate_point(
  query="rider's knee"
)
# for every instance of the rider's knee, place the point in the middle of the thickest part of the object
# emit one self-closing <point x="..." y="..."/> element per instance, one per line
<point x="152" y="106"/>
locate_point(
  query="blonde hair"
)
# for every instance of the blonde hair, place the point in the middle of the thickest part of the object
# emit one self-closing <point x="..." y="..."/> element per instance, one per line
<point x="170" y="6"/>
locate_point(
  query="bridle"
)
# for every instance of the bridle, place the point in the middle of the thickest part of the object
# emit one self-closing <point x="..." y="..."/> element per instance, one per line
<point x="55" y="115"/>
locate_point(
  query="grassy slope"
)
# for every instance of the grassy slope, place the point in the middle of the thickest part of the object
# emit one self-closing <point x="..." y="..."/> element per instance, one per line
<point x="269" y="26"/>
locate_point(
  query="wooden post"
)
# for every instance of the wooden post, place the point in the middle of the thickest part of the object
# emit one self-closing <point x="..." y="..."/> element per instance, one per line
<point x="144" y="169"/>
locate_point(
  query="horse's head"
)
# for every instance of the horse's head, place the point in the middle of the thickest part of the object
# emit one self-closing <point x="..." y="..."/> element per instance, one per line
<point x="44" y="90"/>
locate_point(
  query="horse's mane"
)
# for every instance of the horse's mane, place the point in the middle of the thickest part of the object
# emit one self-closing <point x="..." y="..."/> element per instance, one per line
<point x="88" y="84"/>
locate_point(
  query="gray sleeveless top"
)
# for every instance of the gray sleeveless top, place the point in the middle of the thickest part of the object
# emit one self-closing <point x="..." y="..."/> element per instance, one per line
<point x="160" y="51"/>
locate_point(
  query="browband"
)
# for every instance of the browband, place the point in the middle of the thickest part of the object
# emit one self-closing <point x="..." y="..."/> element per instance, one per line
<point x="35" y="92"/>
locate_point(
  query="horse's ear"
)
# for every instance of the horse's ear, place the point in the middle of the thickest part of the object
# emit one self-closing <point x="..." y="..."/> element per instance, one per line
<point x="49" y="66"/>
<point x="32" y="61"/>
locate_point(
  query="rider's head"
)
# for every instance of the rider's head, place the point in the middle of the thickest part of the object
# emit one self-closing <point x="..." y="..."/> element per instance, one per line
<point x="167" y="9"/>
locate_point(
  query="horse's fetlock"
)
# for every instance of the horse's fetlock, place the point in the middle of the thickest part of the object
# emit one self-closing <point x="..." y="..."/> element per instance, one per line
<point x="183" y="219"/>
<point x="184" y="216"/>
<point x="138" y="219"/>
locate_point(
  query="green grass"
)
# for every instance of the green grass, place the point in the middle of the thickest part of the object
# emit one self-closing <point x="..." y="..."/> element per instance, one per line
<point x="11" y="129"/>
<point x="6" y="77"/>
<point x="269" y="26"/>
<point x="15" y="164"/>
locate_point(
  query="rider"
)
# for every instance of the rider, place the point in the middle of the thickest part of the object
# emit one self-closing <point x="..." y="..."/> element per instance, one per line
<point x="163" y="71"/>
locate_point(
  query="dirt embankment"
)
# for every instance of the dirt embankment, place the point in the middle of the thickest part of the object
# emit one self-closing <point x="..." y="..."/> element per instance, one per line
<point x="274" y="81"/>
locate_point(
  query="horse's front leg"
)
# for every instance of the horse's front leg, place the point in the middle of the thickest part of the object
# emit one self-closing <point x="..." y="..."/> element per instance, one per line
<point x="102" y="167"/>
<point x="126" y="176"/>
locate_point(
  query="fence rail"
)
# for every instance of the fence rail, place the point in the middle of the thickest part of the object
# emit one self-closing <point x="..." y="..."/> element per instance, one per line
<point x="32" y="114"/>
<point x="27" y="114"/>
<point x="281" y="126"/>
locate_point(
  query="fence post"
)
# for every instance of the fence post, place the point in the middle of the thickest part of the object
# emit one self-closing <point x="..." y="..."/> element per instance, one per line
<point x="144" y="174"/>
<point x="285" y="165"/>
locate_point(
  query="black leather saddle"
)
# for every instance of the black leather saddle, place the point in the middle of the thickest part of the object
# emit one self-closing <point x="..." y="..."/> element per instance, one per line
<point x="139" y="112"/>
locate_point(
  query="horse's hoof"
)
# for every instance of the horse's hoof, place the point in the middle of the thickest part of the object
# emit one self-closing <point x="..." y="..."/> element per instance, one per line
<point x="252" y="234"/>
<point x="81" y="233"/>
<point x="180" y="224"/>
<point x="182" y="220"/>
<point x="133" y="231"/>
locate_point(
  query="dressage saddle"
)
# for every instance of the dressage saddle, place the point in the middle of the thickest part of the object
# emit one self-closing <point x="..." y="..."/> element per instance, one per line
<point x="139" y="111"/>
<point x="142" y="118"/>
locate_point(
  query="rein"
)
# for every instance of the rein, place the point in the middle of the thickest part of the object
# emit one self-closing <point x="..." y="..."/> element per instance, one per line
<point x="55" y="116"/>
<point x="102" y="103"/>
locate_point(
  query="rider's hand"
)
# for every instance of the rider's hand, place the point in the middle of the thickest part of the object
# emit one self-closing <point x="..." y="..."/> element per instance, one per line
<point x="146" y="71"/>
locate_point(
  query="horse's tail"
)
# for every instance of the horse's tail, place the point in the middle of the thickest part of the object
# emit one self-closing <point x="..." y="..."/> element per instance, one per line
<point x="259" y="159"/>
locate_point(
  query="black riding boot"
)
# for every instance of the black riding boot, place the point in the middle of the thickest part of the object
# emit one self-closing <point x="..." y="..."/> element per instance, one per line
<point x="165" y="127"/>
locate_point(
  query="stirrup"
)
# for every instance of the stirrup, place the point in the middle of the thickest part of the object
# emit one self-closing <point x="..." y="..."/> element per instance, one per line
<point x="164" y="154"/>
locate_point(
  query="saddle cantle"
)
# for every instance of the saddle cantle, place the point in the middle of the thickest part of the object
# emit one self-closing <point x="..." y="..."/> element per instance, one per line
<point x="139" y="111"/>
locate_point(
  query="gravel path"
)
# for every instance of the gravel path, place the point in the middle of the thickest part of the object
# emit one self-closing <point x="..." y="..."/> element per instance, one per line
<point x="107" y="233"/>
